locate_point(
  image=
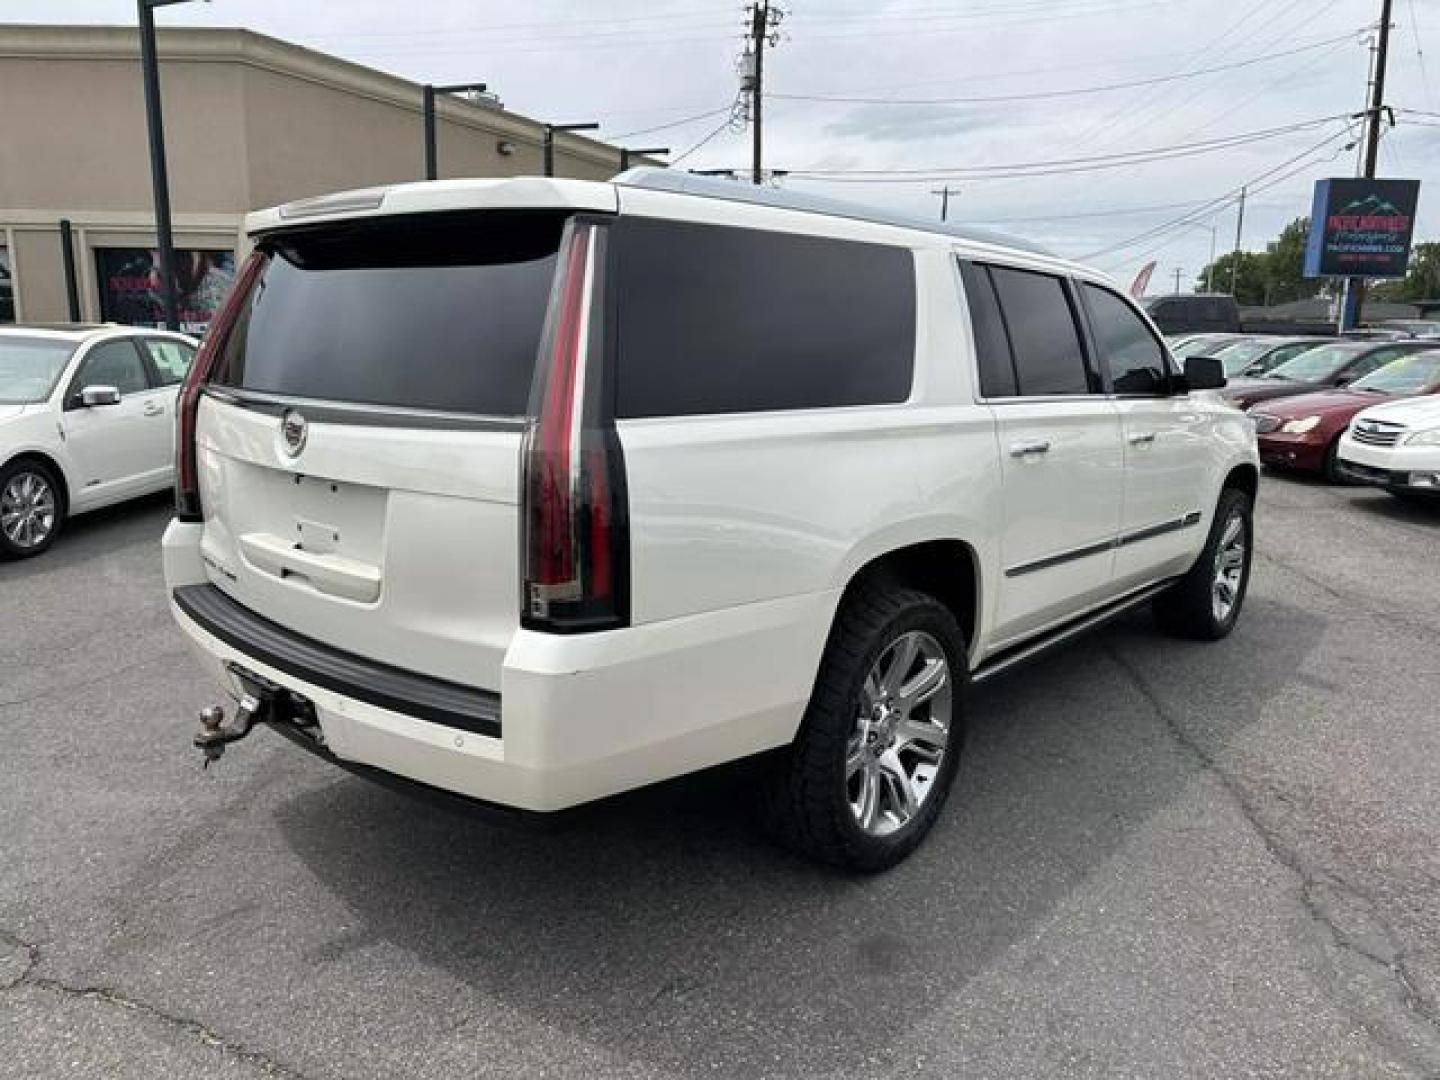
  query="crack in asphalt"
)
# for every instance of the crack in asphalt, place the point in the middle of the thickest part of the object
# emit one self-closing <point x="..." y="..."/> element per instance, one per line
<point x="207" y="1036"/>
<point x="1389" y="962"/>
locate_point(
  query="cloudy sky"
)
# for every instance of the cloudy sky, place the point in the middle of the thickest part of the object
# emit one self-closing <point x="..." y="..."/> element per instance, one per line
<point x="887" y="100"/>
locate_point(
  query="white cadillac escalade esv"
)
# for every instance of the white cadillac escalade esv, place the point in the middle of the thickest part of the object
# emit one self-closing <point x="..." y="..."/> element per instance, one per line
<point x="534" y="491"/>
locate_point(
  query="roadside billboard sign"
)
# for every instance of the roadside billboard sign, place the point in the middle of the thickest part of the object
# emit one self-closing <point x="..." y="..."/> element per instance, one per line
<point x="1361" y="228"/>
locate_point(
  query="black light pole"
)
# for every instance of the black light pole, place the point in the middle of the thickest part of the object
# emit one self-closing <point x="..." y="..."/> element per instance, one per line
<point x="550" y="130"/>
<point x="650" y="151"/>
<point x="67" y="262"/>
<point x="429" y="92"/>
<point x="158" y="177"/>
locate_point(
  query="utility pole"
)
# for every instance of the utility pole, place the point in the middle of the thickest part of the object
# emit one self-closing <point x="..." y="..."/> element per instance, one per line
<point x="1210" y="266"/>
<point x="1235" y="259"/>
<point x="1178" y="271"/>
<point x="763" y="22"/>
<point x="945" y="193"/>
<point x="550" y="130"/>
<point x="428" y="93"/>
<point x="1356" y="286"/>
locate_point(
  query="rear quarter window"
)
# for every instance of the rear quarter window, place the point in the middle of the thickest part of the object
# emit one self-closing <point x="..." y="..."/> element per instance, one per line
<point x="715" y="319"/>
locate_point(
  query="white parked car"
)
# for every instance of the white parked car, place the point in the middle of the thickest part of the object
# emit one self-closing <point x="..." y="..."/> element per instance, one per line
<point x="536" y="490"/>
<point x="1396" y="446"/>
<point x="87" y="418"/>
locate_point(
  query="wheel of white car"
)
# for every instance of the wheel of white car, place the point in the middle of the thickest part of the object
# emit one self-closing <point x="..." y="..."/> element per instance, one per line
<point x="880" y="742"/>
<point x="31" y="508"/>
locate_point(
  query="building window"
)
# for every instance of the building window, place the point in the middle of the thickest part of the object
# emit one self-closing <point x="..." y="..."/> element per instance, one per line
<point x="130" y="286"/>
<point x="7" y="287"/>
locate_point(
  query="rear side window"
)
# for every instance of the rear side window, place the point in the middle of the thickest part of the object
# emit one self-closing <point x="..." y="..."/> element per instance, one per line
<point x="1044" y="337"/>
<point x="170" y="359"/>
<point x="992" y="345"/>
<point x="441" y="312"/>
<point x="1125" y="344"/>
<point x="713" y="319"/>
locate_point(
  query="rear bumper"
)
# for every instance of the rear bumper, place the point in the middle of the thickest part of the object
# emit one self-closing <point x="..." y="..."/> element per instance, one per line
<point x="577" y="717"/>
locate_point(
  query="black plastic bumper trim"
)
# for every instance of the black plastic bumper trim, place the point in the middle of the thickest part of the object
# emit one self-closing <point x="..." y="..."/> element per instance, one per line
<point x="422" y="696"/>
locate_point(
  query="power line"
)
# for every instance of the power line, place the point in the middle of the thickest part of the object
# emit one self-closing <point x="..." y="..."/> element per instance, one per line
<point x="1253" y="185"/>
<point x="675" y="123"/>
<point x="1046" y="94"/>
<point x="1067" y="165"/>
<point x="681" y="157"/>
<point x="1420" y="55"/>
<point x="1129" y="120"/>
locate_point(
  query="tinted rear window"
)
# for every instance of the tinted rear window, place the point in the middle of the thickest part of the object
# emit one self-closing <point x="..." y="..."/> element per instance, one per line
<point x="714" y="319"/>
<point x="437" y="312"/>
<point x="1043" y="334"/>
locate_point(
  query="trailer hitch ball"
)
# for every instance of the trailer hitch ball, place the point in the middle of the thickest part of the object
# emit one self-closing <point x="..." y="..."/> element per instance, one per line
<point x="215" y="734"/>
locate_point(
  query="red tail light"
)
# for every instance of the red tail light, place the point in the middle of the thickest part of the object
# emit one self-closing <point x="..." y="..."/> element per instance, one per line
<point x="576" y="540"/>
<point x="187" y="476"/>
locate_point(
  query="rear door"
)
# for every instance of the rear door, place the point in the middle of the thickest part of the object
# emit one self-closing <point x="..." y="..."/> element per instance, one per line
<point x="1061" y="457"/>
<point x="359" y="446"/>
<point x="1167" y="452"/>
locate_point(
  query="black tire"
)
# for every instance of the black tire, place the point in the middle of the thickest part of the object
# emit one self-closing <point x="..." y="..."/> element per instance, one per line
<point x="807" y="802"/>
<point x="1416" y="498"/>
<point x="18" y="470"/>
<point x="1187" y="609"/>
<point x="1332" y="463"/>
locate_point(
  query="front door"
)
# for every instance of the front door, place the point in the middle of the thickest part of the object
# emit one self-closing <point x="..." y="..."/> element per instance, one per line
<point x="1167" y="455"/>
<point x="113" y="446"/>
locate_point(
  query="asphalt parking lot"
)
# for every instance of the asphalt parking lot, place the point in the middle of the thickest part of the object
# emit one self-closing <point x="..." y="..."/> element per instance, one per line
<point x="1162" y="860"/>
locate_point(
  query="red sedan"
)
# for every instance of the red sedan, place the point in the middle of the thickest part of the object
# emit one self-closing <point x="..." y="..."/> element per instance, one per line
<point x="1303" y="432"/>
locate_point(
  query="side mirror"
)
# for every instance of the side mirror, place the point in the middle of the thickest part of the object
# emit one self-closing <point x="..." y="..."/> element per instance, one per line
<point x="1344" y="380"/>
<point x="1204" y="373"/>
<point x="92" y="396"/>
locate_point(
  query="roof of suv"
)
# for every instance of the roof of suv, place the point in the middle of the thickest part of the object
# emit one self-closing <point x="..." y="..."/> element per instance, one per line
<point x="524" y="192"/>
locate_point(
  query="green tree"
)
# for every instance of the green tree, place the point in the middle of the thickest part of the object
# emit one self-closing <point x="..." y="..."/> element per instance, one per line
<point x="1273" y="276"/>
<point x="1285" y="264"/>
<point x="1249" y="280"/>
<point x="1422" y="279"/>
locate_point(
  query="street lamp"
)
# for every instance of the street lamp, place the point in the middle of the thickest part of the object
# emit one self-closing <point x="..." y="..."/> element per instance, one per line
<point x="164" y="242"/>
<point x="650" y="151"/>
<point x="550" y="130"/>
<point x="431" y="171"/>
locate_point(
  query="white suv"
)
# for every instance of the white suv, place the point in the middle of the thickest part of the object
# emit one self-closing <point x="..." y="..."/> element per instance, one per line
<point x="535" y="491"/>
<point x="87" y="418"/>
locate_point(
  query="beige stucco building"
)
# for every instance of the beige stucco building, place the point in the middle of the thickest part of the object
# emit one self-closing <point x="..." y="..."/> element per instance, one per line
<point x="250" y="121"/>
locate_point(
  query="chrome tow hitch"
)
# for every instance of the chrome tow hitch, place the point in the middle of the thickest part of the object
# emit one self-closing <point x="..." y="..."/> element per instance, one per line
<point x="215" y="734"/>
<point x="261" y="701"/>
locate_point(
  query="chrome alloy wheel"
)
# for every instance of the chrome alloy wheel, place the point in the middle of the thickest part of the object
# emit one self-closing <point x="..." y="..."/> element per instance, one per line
<point x="1229" y="568"/>
<point x="900" y="735"/>
<point x="27" y="510"/>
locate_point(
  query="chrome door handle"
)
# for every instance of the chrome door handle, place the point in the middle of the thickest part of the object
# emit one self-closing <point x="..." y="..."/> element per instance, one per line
<point x="1142" y="439"/>
<point x="154" y="410"/>
<point x="1029" y="446"/>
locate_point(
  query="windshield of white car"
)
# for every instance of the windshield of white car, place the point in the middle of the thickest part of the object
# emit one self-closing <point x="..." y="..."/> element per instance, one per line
<point x="1413" y="374"/>
<point x="30" y="367"/>
<point x="1314" y="364"/>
